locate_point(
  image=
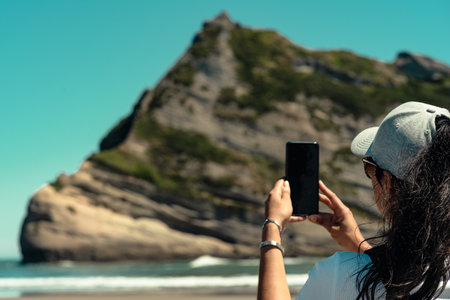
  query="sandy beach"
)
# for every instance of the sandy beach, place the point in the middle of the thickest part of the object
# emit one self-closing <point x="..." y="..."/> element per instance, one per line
<point x="153" y="295"/>
<point x="149" y="295"/>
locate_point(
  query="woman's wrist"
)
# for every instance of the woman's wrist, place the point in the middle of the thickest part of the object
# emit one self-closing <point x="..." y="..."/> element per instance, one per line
<point x="268" y="220"/>
<point x="271" y="232"/>
<point x="364" y="246"/>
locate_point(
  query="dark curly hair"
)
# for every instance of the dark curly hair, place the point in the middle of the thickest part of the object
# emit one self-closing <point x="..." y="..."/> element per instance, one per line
<point x="416" y="238"/>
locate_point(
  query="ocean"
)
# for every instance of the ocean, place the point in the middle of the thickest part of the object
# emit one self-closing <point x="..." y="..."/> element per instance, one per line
<point x="204" y="272"/>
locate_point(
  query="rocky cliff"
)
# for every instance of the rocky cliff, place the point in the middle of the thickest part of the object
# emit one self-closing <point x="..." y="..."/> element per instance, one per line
<point x="187" y="172"/>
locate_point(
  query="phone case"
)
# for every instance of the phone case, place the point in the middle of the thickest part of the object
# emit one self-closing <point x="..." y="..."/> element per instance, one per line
<point x="302" y="172"/>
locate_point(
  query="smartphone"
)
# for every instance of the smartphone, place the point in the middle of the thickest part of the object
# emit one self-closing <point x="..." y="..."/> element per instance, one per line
<point x="302" y="172"/>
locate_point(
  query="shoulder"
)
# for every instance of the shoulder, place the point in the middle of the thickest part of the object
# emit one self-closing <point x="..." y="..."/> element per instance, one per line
<point x="342" y="263"/>
<point x="335" y="277"/>
<point x="341" y="266"/>
<point x="348" y="260"/>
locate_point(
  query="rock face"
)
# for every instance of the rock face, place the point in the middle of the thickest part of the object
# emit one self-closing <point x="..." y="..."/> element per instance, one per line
<point x="421" y="67"/>
<point x="187" y="172"/>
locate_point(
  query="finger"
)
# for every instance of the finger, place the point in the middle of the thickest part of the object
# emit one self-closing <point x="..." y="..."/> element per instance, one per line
<point x="336" y="203"/>
<point x="294" y="219"/>
<point x="276" y="190"/>
<point x="286" y="192"/>
<point x="324" y="219"/>
<point x="325" y="200"/>
<point x="278" y="183"/>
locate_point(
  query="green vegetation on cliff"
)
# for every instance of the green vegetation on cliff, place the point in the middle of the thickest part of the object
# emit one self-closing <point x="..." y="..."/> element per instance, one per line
<point x="176" y="158"/>
<point x="166" y="141"/>
<point x="170" y="151"/>
<point x="271" y="70"/>
<point x="205" y="42"/>
<point x="267" y="65"/>
<point x="183" y="74"/>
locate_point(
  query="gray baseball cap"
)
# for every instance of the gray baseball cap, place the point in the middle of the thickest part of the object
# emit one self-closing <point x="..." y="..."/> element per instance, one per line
<point x="403" y="132"/>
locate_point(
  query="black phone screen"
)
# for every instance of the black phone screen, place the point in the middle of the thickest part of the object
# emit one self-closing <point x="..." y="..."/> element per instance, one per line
<point x="302" y="172"/>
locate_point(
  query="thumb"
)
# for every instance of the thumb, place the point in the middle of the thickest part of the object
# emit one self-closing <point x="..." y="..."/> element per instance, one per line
<point x="294" y="219"/>
<point x="324" y="219"/>
<point x="286" y="191"/>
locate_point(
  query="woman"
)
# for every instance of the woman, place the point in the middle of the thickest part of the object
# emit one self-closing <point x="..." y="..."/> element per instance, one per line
<point x="407" y="158"/>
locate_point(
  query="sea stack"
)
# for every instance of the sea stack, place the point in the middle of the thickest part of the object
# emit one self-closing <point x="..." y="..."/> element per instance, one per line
<point x="187" y="172"/>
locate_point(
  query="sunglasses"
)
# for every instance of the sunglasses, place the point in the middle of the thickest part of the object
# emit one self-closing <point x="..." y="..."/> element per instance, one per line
<point x="370" y="167"/>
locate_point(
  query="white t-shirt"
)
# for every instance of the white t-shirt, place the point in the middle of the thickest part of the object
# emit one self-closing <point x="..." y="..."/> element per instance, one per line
<point x="335" y="278"/>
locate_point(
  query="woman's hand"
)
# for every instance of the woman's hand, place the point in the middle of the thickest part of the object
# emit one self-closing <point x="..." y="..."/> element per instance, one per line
<point x="279" y="205"/>
<point x="340" y="224"/>
<point x="272" y="282"/>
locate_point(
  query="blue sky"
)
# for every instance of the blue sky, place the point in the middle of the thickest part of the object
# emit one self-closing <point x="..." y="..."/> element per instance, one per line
<point x="69" y="70"/>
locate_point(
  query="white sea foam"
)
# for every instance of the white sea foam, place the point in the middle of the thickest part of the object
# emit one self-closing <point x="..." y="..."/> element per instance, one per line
<point x="66" y="264"/>
<point x="203" y="272"/>
<point x="206" y="261"/>
<point x="50" y="284"/>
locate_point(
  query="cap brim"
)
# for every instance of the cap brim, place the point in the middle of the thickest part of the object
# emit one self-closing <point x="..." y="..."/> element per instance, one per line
<point x="362" y="142"/>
